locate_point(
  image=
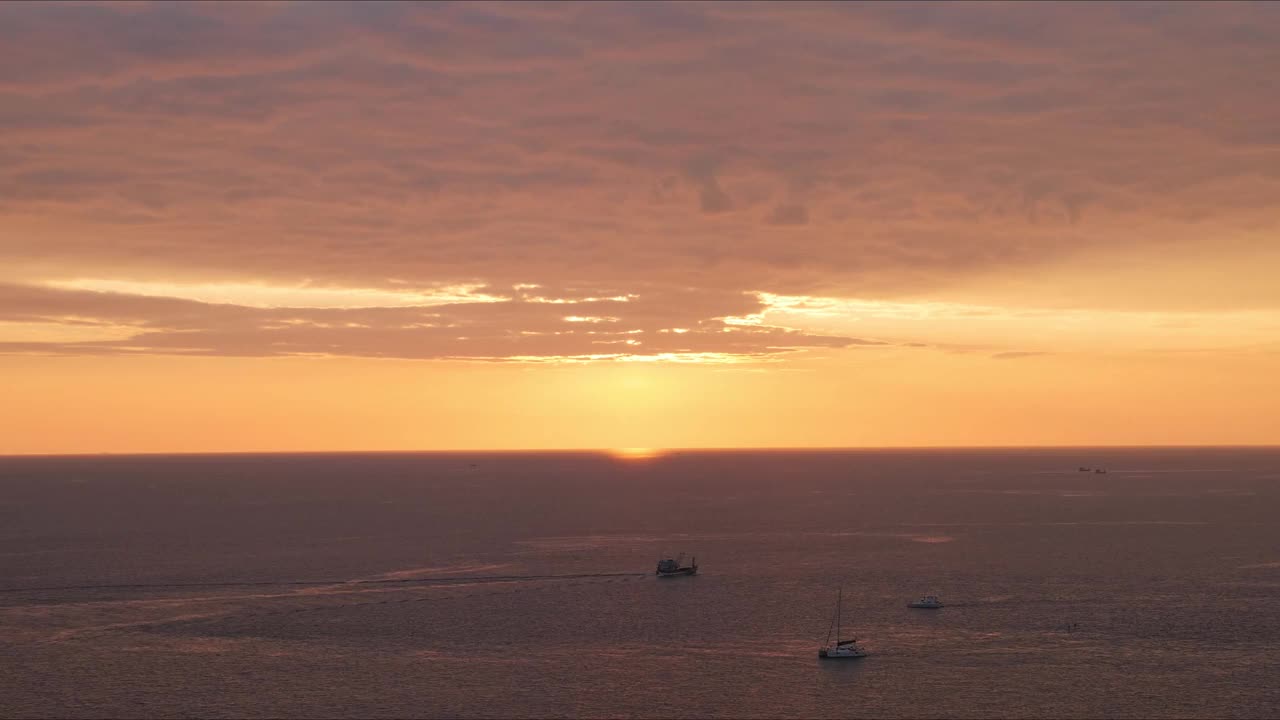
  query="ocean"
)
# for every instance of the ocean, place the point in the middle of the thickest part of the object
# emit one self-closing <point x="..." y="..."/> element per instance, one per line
<point x="521" y="585"/>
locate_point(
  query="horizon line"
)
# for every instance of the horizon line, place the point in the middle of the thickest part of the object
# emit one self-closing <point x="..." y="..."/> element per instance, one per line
<point x="655" y="450"/>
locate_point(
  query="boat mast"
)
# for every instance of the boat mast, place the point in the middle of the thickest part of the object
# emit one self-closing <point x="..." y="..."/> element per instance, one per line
<point x="831" y="625"/>
<point x="839" y="602"/>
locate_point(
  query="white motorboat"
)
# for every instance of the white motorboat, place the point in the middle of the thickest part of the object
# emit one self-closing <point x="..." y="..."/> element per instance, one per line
<point x="928" y="602"/>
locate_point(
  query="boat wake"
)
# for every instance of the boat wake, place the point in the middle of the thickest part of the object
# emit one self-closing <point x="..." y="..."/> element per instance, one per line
<point x="455" y="580"/>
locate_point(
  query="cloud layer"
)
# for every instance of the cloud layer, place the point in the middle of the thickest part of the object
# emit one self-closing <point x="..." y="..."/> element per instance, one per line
<point x="526" y="326"/>
<point x="687" y="155"/>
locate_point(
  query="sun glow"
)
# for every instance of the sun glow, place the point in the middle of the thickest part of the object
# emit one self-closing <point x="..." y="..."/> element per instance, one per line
<point x="636" y="453"/>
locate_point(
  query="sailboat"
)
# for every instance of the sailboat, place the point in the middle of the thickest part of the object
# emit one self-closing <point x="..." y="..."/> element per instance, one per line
<point x="842" y="649"/>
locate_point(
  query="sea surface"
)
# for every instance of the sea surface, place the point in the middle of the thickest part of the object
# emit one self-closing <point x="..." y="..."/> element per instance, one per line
<point x="522" y="585"/>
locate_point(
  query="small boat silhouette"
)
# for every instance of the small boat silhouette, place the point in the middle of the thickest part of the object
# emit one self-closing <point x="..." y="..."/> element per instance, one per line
<point x="673" y="567"/>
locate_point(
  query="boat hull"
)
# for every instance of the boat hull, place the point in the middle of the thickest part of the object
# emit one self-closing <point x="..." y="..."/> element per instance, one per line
<point x="678" y="573"/>
<point x="824" y="655"/>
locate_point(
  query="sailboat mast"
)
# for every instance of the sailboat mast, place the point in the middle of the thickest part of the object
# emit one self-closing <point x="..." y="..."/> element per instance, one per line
<point x="839" y="602"/>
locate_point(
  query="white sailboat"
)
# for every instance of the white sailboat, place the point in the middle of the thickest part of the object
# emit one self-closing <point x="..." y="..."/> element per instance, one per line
<point x="841" y="649"/>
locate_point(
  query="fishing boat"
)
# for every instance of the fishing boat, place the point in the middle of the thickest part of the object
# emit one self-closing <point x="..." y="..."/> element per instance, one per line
<point x="928" y="602"/>
<point x="840" y="649"/>
<point x="675" y="567"/>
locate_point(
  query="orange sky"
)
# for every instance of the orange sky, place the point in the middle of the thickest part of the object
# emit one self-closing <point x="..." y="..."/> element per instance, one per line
<point x="339" y="226"/>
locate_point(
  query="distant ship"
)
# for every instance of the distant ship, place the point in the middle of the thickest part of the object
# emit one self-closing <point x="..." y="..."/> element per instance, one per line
<point x="841" y="649"/>
<point x="928" y="602"/>
<point x="673" y="567"/>
<point x="1101" y="471"/>
<point x="1084" y="469"/>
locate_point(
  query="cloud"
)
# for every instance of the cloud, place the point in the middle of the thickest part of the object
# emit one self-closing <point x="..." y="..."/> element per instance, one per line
<point x="712" y="198"/>
<point x="789" y="214"/>
<point x="519" y="326"/>
<point x="638" y="148"/>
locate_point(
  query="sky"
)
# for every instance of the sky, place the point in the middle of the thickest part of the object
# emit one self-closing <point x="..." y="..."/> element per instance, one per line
<point x="395" y="226"/>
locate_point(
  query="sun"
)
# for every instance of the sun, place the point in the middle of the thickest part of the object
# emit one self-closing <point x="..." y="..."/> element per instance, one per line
<point x="636" y="453"/>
